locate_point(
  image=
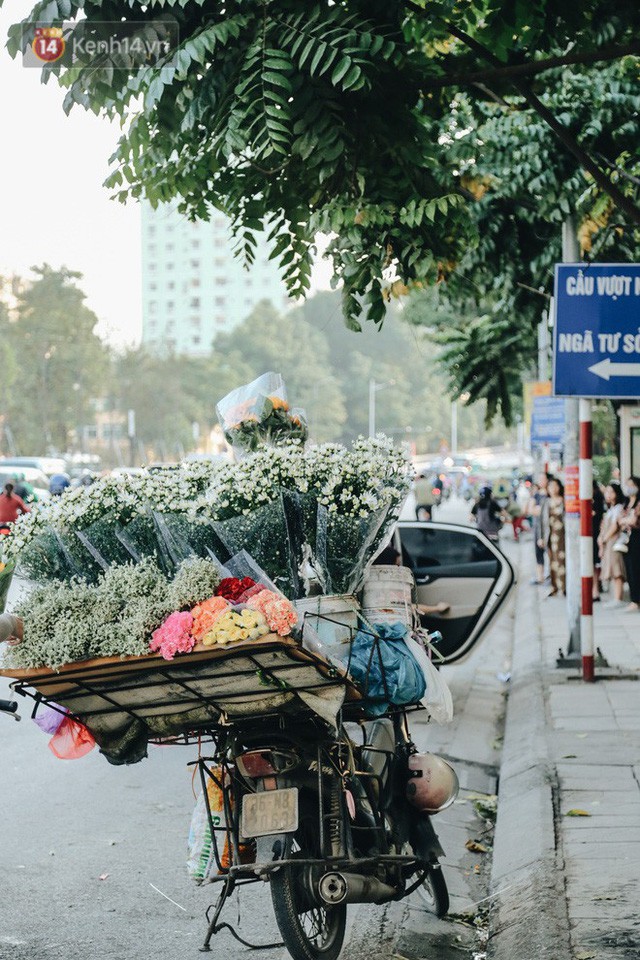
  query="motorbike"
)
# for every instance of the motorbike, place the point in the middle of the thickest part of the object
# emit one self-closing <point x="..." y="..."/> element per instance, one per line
<point x="329" y="817"/>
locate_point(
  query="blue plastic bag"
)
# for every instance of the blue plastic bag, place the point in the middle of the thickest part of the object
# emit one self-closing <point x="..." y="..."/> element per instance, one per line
<point x="387" y="672"/>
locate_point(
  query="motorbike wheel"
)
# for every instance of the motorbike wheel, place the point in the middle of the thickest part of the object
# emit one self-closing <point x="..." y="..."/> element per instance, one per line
<point x="310" y="931"/>
<point x="433" y="892"/>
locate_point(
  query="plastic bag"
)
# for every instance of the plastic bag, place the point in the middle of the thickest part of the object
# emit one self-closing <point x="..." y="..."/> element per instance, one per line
<point x="50" y="718"/>
<point x="437" y="698"/>
<point x="71" y="741"/>
<point x="386" y="670"/>
<point x="201" y="859"/>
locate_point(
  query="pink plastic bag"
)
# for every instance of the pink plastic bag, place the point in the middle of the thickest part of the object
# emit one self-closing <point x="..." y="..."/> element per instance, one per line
<point x="72" y="740"/>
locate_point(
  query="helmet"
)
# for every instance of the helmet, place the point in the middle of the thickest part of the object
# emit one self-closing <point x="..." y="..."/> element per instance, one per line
<point x="485" y="491"/>
<point x="433" y="784"/>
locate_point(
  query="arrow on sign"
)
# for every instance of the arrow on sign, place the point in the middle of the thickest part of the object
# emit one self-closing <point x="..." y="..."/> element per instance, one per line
<point x="606" y="369"/>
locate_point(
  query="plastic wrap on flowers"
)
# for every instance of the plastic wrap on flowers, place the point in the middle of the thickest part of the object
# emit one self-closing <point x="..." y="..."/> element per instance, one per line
<point x="258" y="413"/>
<point x="101" y="539"/>
<point x="350" y="545"/>
<point x="185" y="536"/>
<point x="142" y="538"/>
<point x="6" y="576"/>
<point x="301" y="519"/>
<point x="46" y="557"/>
<point x="263" y="534"/>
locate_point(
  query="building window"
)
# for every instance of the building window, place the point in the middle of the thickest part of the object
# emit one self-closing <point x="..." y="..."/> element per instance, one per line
<point x="152" y="248"/>
<point x="153" y="286"/>
<point x="219" y="241"/>
<point x="196" y="341"/>
<point x="170" y="285"/>
<point x="195" y="264"/>
<point x="169" y="247"/>
<point x="169" y="266"/>
<point x="195" y="321"/>
<point x="220" y="320"/>
<point x="195" y="282"/>
<point x="220" y="301"/>
<point x="219" y="262"/>
<point x="195" y="303"/>
<point x="195" y="244"/>
<point x="170" y="304"/>
<point x="151" y="230"/>
<point x="152" y="306"/>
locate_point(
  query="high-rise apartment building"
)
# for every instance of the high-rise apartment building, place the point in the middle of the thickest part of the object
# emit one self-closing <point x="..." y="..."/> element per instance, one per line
<point x="193" y="285"/>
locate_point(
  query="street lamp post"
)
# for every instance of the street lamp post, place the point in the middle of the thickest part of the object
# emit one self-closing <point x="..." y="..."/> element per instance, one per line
<point x="373" y="389"/>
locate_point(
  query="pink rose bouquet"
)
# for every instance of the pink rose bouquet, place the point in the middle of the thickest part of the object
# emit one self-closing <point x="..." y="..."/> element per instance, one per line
<point x="174" y="636"/>
<point x="279" y="613"/>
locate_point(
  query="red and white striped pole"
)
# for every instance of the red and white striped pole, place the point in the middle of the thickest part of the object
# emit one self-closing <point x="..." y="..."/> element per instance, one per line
<point x="586" y="540"/>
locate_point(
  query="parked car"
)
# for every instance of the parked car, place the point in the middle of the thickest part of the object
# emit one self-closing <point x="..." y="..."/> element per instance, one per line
<point x="459" y="566"/>
<point x="48" y="465"/>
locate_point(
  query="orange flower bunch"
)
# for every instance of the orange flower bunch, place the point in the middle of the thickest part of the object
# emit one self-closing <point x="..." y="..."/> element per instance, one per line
<point x="205" y="615"/>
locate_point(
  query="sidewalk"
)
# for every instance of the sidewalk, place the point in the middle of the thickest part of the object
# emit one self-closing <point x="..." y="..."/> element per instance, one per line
<point x="565" y="883"/>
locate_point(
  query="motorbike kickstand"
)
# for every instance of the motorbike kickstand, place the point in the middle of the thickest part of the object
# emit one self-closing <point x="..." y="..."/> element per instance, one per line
<point x="225" y="893"/>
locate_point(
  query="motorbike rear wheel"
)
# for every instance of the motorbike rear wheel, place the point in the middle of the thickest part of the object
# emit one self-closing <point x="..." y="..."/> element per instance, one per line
<point x="310" y="931"/>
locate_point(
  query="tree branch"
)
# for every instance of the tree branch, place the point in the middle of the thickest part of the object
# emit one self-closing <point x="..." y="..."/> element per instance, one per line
<point x="532" y="68"/>
<point x="563" y="134"/>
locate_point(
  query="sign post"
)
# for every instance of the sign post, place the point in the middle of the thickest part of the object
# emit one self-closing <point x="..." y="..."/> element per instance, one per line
<point x="596" y="354"/>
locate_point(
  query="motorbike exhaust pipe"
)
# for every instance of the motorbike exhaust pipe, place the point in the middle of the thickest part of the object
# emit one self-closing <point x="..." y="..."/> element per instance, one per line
<point x="335" y="888"/>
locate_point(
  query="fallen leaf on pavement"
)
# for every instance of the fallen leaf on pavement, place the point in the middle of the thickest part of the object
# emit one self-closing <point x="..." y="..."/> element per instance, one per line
<point x="585" y="955"/>
<point x="583" y="736"/>
<point x="569" y="756"/>
<point x="475" y="847"/>
<point x="575" y="812"/>
<point x="605" y="897"/>
<point x="103" y="876"/>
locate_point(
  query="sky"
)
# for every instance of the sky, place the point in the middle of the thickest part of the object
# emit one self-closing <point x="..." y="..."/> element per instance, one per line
<point x="53" y="207"/>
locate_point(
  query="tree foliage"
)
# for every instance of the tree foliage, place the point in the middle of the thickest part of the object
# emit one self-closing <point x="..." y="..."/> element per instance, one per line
<point x="55" y="361"/>
<point x="339" y="117"/>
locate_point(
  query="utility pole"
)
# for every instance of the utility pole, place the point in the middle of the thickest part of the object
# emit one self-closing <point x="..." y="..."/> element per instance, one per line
<point x="571" y="254"/>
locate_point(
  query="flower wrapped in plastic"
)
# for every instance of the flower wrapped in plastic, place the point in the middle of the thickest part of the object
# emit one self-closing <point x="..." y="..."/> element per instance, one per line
<point x="206" y="613"/>
<point x="279" y="613"/>
<point x="174" y="635"/>
<point x="235" y="625"/>
<point x="258" y="413"/>
<point x="6" y="576"/>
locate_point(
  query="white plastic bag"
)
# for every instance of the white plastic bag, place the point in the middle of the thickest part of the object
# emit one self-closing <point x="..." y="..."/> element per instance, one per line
<point x="437" y="698"/>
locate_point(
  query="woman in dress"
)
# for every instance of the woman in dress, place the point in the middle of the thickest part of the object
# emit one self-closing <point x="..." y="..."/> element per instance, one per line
<point x="612" y="561"/>
<point x="556" y="542"/>
<point x="630" y="522"/>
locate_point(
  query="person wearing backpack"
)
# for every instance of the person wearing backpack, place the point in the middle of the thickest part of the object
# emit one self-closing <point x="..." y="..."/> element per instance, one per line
<point x="488" y="514"/>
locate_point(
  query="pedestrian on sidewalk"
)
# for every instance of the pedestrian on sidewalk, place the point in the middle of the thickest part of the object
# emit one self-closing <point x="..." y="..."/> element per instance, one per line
<point x="555" y="542"/>
<point x="488" y="514"/>
<point x="630" y="523"/>
<point x="425" y="497"/>
<point x="612" y="569"/>
<point x="536" y="510"/>
<point x="597" y="513"/>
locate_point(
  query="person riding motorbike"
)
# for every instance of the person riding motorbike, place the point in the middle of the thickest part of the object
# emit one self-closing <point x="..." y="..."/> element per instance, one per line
<point x="488" y="514"/>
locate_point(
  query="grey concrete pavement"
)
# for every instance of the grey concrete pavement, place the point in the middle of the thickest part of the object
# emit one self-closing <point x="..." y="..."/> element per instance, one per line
<point x="567" y="846"/>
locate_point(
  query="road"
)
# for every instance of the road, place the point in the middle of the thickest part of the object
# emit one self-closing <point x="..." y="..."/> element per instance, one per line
<point x="92" y="857"/>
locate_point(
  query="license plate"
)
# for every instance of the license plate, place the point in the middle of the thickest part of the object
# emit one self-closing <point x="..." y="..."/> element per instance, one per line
<point x="274" y="811"/>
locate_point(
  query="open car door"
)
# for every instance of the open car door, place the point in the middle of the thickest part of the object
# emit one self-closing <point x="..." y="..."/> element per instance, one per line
<point x="460" y="566"/>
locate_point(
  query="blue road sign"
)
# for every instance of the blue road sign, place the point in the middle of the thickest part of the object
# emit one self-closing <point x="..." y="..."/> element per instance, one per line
<point x="547" y="420"/>
<point x="596" y="344"/>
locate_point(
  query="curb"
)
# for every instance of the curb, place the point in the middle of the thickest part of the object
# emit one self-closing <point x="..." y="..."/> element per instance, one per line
<point x="529" y="917"/>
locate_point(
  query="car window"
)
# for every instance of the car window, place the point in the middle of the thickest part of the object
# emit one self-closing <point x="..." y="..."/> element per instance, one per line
<point x="433" y="547"/>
